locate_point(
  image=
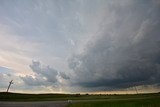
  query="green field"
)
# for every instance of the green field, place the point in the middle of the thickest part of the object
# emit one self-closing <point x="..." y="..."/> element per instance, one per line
<point x="140" y="100"/>
<point x="152" y="101"/>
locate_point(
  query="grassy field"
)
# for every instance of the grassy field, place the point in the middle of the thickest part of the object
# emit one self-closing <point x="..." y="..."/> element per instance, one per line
<point x="120" y="103"/>
<point x="140" y="100"/>
<point x="150" y="100"/>
<point x="55" y="97"/>
<point x="37" y="97"/>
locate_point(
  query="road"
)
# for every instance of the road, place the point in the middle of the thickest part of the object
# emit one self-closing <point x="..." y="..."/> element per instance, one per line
<point x="43" y="103"/>
<point x="34" y="104"/>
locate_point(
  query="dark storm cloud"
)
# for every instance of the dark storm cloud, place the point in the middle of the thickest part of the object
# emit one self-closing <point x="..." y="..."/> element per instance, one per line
<point x="64" y="75"/>
<point x="47" y="72"/>
<point x="126" y="51"/>
<point x="44" y="75"/>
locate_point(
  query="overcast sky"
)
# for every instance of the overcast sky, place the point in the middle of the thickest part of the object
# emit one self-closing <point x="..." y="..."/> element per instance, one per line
<point x="79" y="45"/>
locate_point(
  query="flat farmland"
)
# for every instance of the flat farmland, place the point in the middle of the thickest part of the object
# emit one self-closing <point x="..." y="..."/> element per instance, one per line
<point x="77" y="100"/>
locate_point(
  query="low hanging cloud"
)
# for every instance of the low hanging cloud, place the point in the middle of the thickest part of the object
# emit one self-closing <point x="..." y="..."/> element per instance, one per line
<point x="125" y="51"/>
<point x="43" y="75"/>
<point x="49" y="73"/>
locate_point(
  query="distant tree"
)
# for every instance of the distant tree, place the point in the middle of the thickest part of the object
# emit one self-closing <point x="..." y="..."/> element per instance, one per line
<point x="87" y="94"/>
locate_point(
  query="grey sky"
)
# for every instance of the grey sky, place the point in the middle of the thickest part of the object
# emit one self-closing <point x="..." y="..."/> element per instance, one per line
<point x="90" y="44"/>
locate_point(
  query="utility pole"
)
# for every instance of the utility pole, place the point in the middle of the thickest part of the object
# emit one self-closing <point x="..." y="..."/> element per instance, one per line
<point x="136" y="89"/>
<point x="10" y="83"/>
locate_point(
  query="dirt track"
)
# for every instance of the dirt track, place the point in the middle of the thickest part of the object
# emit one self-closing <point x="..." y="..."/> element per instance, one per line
<point x="34" y="104"/>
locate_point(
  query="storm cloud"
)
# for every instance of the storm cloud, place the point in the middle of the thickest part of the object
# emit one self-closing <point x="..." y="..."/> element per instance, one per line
<point x="77" y="45"/>
<point x="125" y="51"/>
<point x="43" y="75"/>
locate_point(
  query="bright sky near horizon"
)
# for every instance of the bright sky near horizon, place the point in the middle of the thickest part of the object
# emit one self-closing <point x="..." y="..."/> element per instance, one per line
<point x="79" y="45"/>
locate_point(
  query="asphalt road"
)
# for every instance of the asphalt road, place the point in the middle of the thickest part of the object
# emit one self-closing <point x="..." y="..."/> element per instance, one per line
<point x="43" y="103"/>
<point x="34" y="104"/>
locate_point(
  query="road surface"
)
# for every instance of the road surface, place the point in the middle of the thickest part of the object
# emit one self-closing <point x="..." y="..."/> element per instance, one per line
<point x="34" y="104"/>
<point x="43" y="103"/>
